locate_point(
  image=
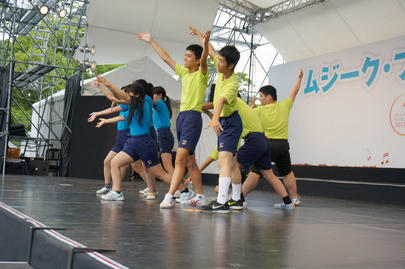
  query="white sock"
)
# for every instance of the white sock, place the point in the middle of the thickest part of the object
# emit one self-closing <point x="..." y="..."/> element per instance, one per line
<point x="236" y="188"/>
<point x="200" y="196"/>
<point x="168" y="196"/>
<point x="224" y="183"/>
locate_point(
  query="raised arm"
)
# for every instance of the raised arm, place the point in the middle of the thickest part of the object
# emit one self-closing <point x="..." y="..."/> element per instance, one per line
<point x="195" y="32"/>
<point x="204" y="55"/>
<point x="252" y="102"/>
<point x="116" y="95"/>
<point x="296" y="87"/>
<point x="147" y="37"/>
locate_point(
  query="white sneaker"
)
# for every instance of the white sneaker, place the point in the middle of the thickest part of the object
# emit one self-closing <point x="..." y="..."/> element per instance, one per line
<point x="177" y="194"/>
<point x="296" y="201"/>
<point x="144" y="191"/>
<point x="197" y="202"/>
<point x="167" y="202"/>
<point x="185" y="196"/>
<point x="284" y="206"/>
<point x="150" y="196"/>
<point x="102" y="191"/>
<point x="113" y="196"/>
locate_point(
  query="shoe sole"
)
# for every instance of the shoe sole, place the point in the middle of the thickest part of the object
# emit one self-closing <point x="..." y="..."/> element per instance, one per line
<point x="285" y="208"/>
<point x="120" y="199"/>
<point x="216" y="211"/>
<point x="236" y="207"/>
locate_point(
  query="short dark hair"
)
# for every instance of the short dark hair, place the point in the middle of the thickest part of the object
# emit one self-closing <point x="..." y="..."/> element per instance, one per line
<point x="196" y="49"/>
<point x="231" y="55"/>
<point x="268" y="89"/>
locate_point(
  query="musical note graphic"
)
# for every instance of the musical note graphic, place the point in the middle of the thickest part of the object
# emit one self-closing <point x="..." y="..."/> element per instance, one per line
<point x="385" y="158"/>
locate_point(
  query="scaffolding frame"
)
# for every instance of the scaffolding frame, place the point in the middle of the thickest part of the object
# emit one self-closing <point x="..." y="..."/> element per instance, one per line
<point x="239" y="30"/>
<point x="47" y="63"/>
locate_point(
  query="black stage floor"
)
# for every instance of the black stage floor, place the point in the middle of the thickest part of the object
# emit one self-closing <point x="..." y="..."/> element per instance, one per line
<point x="323" y="233"/>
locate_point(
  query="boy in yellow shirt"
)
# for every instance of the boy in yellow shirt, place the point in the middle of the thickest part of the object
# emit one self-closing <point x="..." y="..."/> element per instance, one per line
<point x="194" y="76"/>
<point x="274" y="116"/>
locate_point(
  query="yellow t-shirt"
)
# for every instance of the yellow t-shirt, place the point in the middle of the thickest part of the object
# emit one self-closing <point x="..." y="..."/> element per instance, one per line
<point x="274" y="118"/>
<point x="250" y="120"/>
<point x="228" y="89"/>
<point x="193" y="88"/>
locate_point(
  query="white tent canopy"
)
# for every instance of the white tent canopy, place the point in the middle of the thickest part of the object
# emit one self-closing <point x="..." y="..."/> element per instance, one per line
<point x="112" y="27"/>
<point x="333" y="26"/>
<point x="143" y="68"/>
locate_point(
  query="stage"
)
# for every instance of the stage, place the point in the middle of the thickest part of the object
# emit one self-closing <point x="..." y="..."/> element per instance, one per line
<point x="322" y="233"/>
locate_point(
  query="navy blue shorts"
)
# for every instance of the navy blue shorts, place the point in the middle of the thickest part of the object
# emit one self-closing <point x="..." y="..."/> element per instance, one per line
<point x="142" y="147"/>
<point x="232" y="130"/>
<point x="189" y="125"/>
<point x="255" y="150"/>
<point x="120" y="140"/>
<point x="165" y="140"/>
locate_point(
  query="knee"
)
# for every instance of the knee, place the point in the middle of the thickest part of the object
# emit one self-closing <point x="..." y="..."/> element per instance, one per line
<point x="107" y="162"/>
<point x="115" y="164"/>
<point x="181" y="160"/>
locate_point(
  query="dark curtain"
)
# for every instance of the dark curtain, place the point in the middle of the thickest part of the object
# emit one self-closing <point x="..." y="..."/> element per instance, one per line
<point x="72" y="92"/>
<point x="4" y="77"/>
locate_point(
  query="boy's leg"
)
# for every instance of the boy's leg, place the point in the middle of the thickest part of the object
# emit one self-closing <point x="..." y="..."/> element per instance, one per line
<point x="236" y="179"/>
<point x="291" y="184"/>
<point x="250" y="183"/>
<point x="225" y="164"/>
<point x="279" y="188"/>
<point x="275" y="182"/>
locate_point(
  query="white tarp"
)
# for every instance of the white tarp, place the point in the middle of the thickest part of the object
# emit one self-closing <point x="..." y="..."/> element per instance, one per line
<point x="350" y="110"/>
<point x="333" y="26"/>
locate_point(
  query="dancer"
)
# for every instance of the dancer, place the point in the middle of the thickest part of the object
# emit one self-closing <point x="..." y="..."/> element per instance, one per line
<point x="121" y="138"/>
<point x="140" y="145"/>
<point x="194" y="75"/>
<point x="274" y="116"/>
<point x="226" y="122"/>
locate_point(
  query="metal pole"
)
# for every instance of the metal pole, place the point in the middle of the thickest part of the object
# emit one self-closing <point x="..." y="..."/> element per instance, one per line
<point x="10" y="85"/>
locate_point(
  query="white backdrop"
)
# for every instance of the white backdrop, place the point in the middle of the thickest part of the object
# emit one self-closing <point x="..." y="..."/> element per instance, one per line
<point x="360" y="119"/>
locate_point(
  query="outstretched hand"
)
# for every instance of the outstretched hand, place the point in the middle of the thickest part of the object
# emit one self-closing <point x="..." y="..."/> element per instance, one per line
<point x="103" y="80"/>
<point x="147" y="37"/>
<point x="95" y="84"/>
<point x="301" y="74"/>
<point x="100" y="123"/>
<point x="207" y="37"/>
<point x="93" y="116"/>
<point x="193" y="30"/>
<point x="252" y="101"/>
